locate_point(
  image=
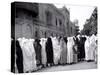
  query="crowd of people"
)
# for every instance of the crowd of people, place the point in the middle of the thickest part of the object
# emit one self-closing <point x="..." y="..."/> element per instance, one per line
<point x="33" y="54"/>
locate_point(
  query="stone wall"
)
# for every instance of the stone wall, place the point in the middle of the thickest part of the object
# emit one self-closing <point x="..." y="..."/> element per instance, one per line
<point x="30" y="24"/>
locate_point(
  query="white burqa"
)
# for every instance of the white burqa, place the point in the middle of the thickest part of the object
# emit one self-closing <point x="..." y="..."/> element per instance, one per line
<point x="87" y="45"/>
<point x="70" y="50"/>
<point x="29" y="61"/>
<point x="43" y="52"/>
<point x="92" y="47"/>
<point x="56" y="50"/>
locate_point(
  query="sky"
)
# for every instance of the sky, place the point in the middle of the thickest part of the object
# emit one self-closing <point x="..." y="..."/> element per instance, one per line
<point x="79" y="12"/>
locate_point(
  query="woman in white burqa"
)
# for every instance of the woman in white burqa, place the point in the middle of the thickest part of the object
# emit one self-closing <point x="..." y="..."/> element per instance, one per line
<point x="90" y="46"/>
<point x="70" y="50"/>
<point x="56" y="50"/>
<point x="43" y="52"/>
<point x="29" y="60"/>
<point x="87" y="45"/>
<point x="63" y="55"/>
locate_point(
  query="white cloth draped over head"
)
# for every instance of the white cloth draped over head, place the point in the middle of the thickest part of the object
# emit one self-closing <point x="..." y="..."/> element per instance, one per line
<point x="87" y="44"/>
<point x="29" y="61"/>
<point x="43" y="52"/>
<point x="90" y="47"/>
<point x="63" y="53"/>
<point x="70" y="50"/>
<point x="56" y="49"/>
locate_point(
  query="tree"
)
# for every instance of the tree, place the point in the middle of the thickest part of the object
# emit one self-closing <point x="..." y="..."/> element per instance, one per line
<point x="90" y="26"/>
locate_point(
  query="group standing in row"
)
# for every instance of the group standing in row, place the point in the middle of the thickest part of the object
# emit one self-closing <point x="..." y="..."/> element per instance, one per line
<point x="33" y="54"/>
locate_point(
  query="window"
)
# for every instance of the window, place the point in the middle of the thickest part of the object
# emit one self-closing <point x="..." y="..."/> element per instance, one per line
<point x="52" y="34"/>
<point x="42" y="33"/>
<point x="71" y="29"/>
<point x="56" y="35"/>
<point x="48" y="17"/>
<point x="45" y="34"/>
<point x="56" y="21"/>
<point x="36" y="34"/>
<point x="60" y="22"/>
<point x="67" y="23"/>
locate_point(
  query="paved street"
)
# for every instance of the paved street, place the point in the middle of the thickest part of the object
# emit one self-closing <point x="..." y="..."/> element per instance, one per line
<point x="78" y="66"/>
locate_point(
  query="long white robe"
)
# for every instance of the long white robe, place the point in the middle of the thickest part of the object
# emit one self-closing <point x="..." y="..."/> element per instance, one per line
<point x="92" y="47"/>
<point x="29" y="61"/>
<point x="87" y="45"/>
<point x="63" y="52"/>
<point x="33" y="55"/>
<point x="70" y="50"/>
<point x="56" y="50"/>
<point x="43" y="52"/>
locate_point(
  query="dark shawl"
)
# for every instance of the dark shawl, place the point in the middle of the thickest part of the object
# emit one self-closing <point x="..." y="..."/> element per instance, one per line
<point x="37" y="48"/>
<point x="19" y="59"/>
<point x="49" y="50"/>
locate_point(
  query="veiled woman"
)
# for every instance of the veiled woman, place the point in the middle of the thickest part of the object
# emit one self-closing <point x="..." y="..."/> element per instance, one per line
<point x="49" y="52"/>
<point x="63" y="56"/>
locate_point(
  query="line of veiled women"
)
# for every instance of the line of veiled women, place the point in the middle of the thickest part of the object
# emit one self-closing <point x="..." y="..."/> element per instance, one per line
<point x="33" y="54"/>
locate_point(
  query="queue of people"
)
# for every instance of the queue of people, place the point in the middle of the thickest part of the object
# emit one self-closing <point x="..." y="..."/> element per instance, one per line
<point x="29" y="55"/>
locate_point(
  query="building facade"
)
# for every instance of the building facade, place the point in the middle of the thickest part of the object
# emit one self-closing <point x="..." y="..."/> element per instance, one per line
<point x="72" y="29"/>
<point x="67" y="24"/>
<point x="38" y="20"/>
